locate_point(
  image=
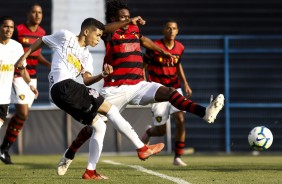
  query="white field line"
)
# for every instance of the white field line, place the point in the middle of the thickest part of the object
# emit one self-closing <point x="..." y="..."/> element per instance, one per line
<point x="142" y="169"/>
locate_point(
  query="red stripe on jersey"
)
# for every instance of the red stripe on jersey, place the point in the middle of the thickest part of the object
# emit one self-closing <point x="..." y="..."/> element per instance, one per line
<point x="158" y="71"/>
<point x="123" y="52"/>
<point x="26" y="37"/>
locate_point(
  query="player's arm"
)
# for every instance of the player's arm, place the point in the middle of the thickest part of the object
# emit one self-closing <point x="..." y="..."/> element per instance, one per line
<point x="111" y="27"/>
<point x="44" y="61"/>
<point x="182" y="78"/>
<point x="88" y="79"/>
<point x="149" y="44"/>
<point x="36" y="45"/>
<point x="26" y="77"/>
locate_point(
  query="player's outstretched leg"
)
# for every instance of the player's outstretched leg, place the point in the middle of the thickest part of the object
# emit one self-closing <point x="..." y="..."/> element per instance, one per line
<point x="126" y="129"/>
<point x="213" y="108"/>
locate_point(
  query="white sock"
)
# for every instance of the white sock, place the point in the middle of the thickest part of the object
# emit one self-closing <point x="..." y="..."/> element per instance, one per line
<point x="121" y="125"/>
<point x="1" y="123"/>
<point x="96" y="143"/>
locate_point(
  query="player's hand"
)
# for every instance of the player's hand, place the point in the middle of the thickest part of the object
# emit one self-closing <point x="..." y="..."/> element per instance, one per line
<point x="138" y="20"/>
<point x="188" y="91"/>
<point x="168" y="58"/>
<point x="34" y="90"/>
<point x="108" y="69"/>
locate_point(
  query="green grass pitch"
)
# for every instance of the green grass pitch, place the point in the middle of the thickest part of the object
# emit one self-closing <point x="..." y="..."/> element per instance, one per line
<point x="201" y="169"/>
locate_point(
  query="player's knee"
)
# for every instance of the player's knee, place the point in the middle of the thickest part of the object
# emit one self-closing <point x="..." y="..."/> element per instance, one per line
<point x="22" y="115"/>
<point x="164" y="93"/>
<point x="171" y="90"/>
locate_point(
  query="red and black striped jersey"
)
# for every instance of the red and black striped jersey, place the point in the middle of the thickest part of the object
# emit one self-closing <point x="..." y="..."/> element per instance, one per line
<point x="158" y="71"/>
<point x="123" y="52"/>
<point x="26" y="37"/>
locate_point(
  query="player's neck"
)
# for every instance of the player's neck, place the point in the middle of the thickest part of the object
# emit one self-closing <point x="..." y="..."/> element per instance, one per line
<point x="32" y="27"/>
<point x="4" y="41"/>
<point x="168" y="43"/>
<point x="81" y="40"/>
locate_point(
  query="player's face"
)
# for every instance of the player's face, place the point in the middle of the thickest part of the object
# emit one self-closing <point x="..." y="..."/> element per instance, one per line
<point x="93" y="37"/>
<point x="170" y="31"/>
<point x="7" y="29"/>
<point x="35" y="15"/>
<point x="123" y="14"/>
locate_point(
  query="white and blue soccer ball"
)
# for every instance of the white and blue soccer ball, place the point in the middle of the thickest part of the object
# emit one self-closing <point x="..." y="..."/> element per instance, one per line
<point x="260" y="138"/>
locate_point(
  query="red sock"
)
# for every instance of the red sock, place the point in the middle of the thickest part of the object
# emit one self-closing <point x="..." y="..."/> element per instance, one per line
<point x="14" y="127"/>
<point x="81" y="138"/>
<point x="179" y="148"/>
<point x="184" y="104"/>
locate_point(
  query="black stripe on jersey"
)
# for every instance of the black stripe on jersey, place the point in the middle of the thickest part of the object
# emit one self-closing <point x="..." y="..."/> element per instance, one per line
<point x="29" y="36"/>
<point x="30" y="67"/>
<point x="128" y="65"/>
<point x="126" y="54"/>
<point x="32" y="57"/>
<point x="153" y="74"/>
<point x="124" y="77"/>
<point x="122" y="41"/>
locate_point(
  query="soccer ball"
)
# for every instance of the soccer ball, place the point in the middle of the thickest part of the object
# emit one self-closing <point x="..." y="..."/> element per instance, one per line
<point x="260" y="138"/>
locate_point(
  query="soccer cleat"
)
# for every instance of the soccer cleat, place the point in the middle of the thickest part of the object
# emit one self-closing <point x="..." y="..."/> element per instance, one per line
<point x="213" y="108"/>
<point x="145" y="138"/>
<point x="96" y="176"/>
<point x="179" y="162"/>
<point x="152" y="150"/>
<point x="63" y="165"/>
<point x="5" y="157"/>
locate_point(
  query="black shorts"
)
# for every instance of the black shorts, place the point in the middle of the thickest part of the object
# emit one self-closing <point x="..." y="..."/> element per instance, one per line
<point x="77" y="100"/>
<point x="4" y="109"/>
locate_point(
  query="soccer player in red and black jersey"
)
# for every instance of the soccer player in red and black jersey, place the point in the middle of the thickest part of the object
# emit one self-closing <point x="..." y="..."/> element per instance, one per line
<point x="171" y="76"/>
<point x="126" y="84"/>
<point x="26" y="34"/>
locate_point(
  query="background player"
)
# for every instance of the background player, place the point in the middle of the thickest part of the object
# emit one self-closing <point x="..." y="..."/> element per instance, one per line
<point x="10" y="51"/>
<point x="26" y="34"/>
<point x="170" y="76"/>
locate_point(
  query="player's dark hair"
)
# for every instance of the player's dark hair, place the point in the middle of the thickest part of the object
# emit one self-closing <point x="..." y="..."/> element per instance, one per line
<point x="112" y="8"/>
<point x="3" y="18"/>
<point x="169" y="20"/>
<point x="92" y="23"/>
<point x="31" y="6"/>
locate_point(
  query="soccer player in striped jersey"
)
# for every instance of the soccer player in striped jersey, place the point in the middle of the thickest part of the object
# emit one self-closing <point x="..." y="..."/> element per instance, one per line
<point x="170" y="76"/>
<point x="10" y="51"/>
<point x="126" y="84"/>
<point x="26" y="34"/>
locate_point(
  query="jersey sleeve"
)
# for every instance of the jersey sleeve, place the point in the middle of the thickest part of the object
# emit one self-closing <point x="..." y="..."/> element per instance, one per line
<point x="53" y="40"/>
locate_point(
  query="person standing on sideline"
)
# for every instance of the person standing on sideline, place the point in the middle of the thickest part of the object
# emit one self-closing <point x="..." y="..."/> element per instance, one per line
<point x="126" y="84"/>
<point x="72" y="58"/>
<point x="10" y="51"/>
<point x="170" y="76"/>
<point x="26" y="34"/>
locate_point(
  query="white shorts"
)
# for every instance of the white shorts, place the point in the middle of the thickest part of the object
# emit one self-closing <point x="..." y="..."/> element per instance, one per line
<point x="142" y="93"/>
<point x="162" y="110"/>
<point x="21" y="93"/>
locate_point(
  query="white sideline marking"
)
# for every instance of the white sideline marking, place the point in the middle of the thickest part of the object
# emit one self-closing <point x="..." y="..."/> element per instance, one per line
<point x="142" y="169"/>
